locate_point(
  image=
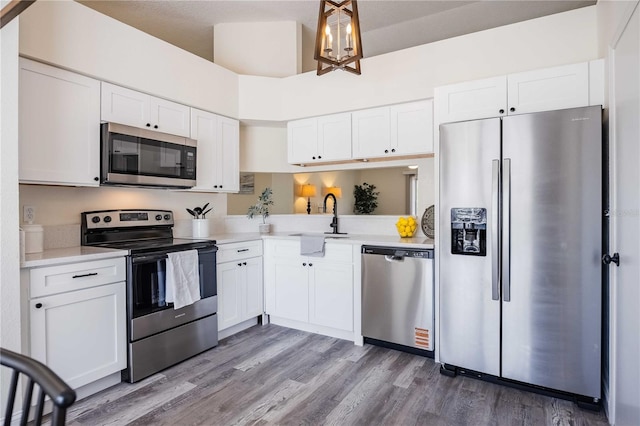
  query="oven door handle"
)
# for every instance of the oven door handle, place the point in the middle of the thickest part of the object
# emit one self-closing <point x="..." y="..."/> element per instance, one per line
<point x="154" y="257"/>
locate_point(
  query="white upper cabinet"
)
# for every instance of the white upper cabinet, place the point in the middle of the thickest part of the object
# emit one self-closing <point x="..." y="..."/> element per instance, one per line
<point x="397" y="130"/>
<point x="126" y="106"/>
<point x="59" y="126"/>
<point x="319" y="139"/>
<point x="547" y="89"/>
<point x="218" y="154"/>
<point x="412" y="128"/>
<point x="471" y="100"/>
<point x="371" y="135"/>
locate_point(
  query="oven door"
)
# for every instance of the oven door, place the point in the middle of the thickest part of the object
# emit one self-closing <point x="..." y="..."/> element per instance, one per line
<point x="148" y="311"/>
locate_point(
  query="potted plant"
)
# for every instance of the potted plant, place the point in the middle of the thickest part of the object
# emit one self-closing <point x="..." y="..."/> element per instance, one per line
<point x="366" y="199"/>
<point x="200" y="223"/>
<point x="262" y="208"/>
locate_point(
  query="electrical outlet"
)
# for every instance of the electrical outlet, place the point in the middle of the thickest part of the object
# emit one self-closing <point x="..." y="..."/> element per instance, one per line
<point x="28" y="214"/>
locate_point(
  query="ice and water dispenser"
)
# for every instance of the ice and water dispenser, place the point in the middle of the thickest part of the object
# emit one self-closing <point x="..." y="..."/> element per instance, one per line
<point x="469" y="231"/>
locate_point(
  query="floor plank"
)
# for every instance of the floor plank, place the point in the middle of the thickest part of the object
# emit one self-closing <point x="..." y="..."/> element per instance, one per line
<point x="270" y="375"/>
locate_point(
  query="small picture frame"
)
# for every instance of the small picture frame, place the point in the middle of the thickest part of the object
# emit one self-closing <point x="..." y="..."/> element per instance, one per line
<point x="247" y="183"/>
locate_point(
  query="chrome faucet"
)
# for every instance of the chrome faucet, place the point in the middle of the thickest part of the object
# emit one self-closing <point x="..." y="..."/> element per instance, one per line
<point x="334" y="221"/>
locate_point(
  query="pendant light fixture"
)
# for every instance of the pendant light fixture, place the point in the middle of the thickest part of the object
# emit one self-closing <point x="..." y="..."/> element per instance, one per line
<point x="338" y="44"/>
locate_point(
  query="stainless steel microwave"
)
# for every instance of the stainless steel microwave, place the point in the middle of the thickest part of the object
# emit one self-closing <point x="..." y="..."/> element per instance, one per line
<point x="139" y="157"/>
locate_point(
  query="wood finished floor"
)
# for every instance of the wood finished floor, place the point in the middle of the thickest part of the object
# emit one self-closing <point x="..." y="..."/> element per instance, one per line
<point x="274" y="375"/>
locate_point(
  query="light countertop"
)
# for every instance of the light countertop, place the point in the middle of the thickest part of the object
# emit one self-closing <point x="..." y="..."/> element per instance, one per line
<point x="69" y="255"/>
<point x="84" y="253"/>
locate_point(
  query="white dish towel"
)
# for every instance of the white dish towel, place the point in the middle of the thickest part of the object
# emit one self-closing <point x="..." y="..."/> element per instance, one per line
<point x="312" y="245"/>
<point x="183" y="278"/>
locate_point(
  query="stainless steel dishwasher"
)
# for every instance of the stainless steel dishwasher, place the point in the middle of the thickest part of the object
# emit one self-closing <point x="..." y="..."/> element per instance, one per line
<point x="397" y="297"/>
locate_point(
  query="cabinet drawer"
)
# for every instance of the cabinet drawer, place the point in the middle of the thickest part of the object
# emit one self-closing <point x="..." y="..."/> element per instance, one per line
<point x="235" y="251"/>
<point x="76" y="276"/>
<point x="342" y="253"/>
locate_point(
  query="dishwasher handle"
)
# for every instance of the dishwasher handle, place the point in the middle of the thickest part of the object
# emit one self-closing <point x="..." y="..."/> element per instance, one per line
<point x="393" y="258"/>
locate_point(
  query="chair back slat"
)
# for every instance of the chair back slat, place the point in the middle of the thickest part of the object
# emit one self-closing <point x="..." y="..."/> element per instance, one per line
<point x="49" y="384"/>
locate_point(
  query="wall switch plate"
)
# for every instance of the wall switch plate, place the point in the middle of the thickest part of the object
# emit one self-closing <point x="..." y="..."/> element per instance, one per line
<point x="28" y="214"/>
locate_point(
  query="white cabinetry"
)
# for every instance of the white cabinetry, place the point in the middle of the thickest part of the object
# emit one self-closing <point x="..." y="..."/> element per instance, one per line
<point x="320" y="139"/>
<point x="539" y="90"/>
<point x="59" y="126"/>
<point x="240" y="285"/>
<point x="126" y="106"/>
<point x="310" y="293"/>
<point x="78" y="320"/>
<point x="397" y="130"/>
<point x="218" y="168"/>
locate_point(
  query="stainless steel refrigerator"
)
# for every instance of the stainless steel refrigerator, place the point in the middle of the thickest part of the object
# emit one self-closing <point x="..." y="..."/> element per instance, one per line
<point x="520" y="231"/>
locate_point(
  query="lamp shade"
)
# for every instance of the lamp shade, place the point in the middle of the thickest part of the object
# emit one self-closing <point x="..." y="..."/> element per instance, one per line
<point x="335" y="190"/>
<point x="308" y="190"/>
<point x="338" y="43"/>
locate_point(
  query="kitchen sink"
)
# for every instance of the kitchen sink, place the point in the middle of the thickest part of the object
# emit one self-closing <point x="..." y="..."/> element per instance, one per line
<point x="299" y="234"/>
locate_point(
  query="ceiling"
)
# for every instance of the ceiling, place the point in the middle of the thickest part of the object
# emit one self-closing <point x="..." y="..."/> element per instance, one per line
<point x="386" y="26"/>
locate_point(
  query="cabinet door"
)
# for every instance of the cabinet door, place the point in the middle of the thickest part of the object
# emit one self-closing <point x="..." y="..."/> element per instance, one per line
<point x="169" y="117"/>
<point x="331" y="295"/>
<point x="412" y="128"/>
<point x="59" y="126"/>
<point x="371" y="133"/>
<point x="334" y="137"/>
<point x="254" y="287"/>
<point x="302" y="141"/>
<point x="289" y="289"/>
<point x="81" y="335"/>
<point x="227" y="160"/>
<point x="203" y="129"/>
<point x="125" y="106"/>
<point x="230" y="294"/>
<point x="471" y="100"/>
<point x="549" y="89"/>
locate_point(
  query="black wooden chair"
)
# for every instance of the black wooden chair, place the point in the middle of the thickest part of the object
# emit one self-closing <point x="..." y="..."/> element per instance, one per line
<point x="62" y="396"/>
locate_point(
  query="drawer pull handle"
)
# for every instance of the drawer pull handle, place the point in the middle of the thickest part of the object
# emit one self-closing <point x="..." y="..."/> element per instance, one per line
<point x="90" y="274"/>
<point x="241" y="250"/>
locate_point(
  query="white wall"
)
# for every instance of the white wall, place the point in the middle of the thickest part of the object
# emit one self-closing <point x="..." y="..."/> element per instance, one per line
<point x="264" y="149"/>
<point x="271" y="49"/>
<point x="9" y="249"/>
<point x="73" y="36"/>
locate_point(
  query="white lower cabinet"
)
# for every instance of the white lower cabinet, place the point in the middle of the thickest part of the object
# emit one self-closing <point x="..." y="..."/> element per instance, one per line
<point x="240" y="285"/>
<point x="80" y="334"/>
<point x="310" y="293"/>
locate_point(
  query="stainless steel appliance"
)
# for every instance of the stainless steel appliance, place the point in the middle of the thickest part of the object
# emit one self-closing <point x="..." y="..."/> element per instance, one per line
<point x="159" y="335"/>
<point x="139" y="157"/>
<point x="397" y="296"/>
<point x="520" y="247"/>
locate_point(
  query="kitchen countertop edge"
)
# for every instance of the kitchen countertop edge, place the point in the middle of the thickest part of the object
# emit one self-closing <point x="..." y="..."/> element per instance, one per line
<point x="61" y="256"/>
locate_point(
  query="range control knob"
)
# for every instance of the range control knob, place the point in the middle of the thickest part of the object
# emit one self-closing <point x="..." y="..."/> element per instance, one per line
<point x="158" y="217"/>
<point x="167" y="216"/>
<point x="107" y="219"/>
<point x="95" y="219"/>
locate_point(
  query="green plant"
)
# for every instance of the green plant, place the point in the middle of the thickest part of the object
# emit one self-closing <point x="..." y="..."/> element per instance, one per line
<point x="262" y="206"/>
<point x="197" y="212"/>
<point x="366" y="199"/>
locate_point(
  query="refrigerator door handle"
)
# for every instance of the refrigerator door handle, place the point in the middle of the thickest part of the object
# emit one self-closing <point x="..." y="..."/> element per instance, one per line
<point x="506" y="230"/>
<point x="495" y="224"/>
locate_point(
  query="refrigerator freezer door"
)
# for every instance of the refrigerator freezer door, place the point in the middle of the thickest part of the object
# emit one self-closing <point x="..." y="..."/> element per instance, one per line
<point x="551" y="325"/>
<point x="469" y="317"/>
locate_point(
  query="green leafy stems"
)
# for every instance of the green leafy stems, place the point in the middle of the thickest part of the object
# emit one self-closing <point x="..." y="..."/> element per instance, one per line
<point x="262" y="206"/>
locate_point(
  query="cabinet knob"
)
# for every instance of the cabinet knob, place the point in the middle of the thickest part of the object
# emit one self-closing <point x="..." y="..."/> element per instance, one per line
<point x="311" y="264"/>
<point x="215" y="186"/>
<point x="155" y="127"/>
<point x="319" y="157"/>
<point x="220" y="186"/>
<point x="501" y="111"/>
<point x="96" y="178"/>
<point x="386" y="151"/>
<point x="244" y="263"/>
<point x="304" y="263"/>
<point x="313" y="158"/>
<point x="239" y="264"/>
<point x="148" y="124"/>
<point x="512" y="109"/>
<point x="38" y="305"/>
<point x="393" y="150"/>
